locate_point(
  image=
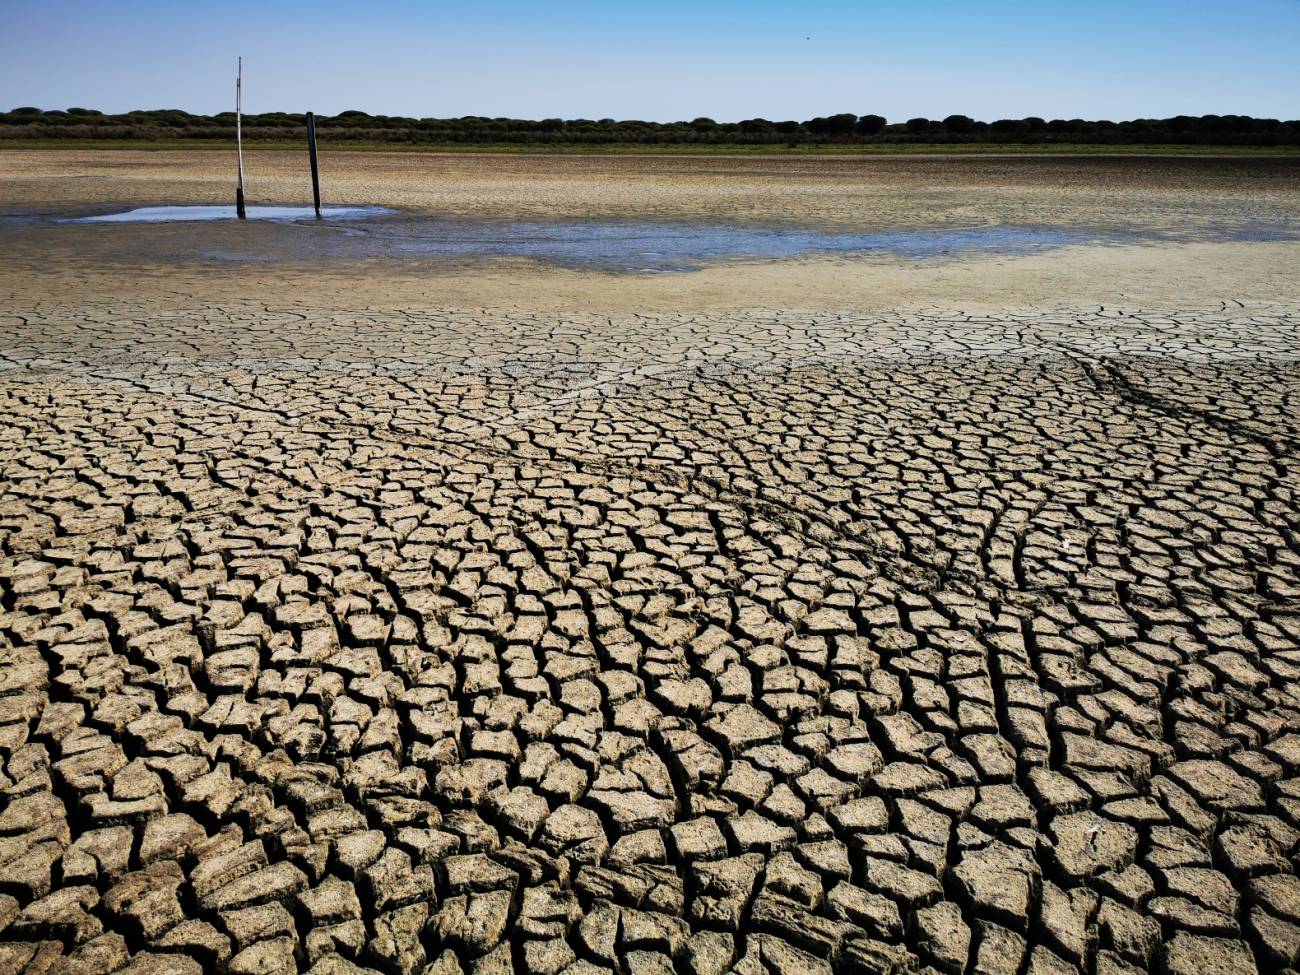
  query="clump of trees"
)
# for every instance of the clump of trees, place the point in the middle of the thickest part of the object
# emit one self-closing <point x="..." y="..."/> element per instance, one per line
<point x="161" y="125"/>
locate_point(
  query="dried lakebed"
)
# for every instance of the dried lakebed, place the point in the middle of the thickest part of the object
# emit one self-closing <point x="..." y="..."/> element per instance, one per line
<point x="428" y="641"/>
<point x="350" y="233"/>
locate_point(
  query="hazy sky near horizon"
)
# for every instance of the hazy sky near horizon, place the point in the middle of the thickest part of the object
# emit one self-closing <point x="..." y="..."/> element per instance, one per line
<point x="668" y="60"/>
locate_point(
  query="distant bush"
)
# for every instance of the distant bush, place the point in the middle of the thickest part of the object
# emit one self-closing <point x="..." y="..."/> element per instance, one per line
<point x="841" y="125"/>
<point x="870" y="125"/>
<point x="161" y="125"/>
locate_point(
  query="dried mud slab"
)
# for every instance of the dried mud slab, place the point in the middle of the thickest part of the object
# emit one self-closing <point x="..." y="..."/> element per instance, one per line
<point x="436" y="641"/>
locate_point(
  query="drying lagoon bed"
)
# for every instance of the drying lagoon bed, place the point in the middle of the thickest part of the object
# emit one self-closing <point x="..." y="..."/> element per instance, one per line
<point x="1151" y="230"/>
<point x="849" y="611"/>
<point x="351" y="233"/>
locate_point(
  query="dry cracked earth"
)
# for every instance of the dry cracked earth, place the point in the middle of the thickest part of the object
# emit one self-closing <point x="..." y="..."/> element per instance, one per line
<point x="440" y="642"/>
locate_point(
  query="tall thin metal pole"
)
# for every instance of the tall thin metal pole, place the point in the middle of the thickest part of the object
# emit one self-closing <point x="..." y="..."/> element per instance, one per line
<point x="315" y="173"/>
<point x="239" y="139"/>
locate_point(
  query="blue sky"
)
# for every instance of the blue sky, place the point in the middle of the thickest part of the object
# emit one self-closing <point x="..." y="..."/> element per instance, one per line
<point x="672" y="59"/>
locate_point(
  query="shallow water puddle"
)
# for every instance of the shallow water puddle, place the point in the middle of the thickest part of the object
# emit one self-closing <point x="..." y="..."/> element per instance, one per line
<point x="623" y="246"/>
<point x="643" y="246"/>
<point x="173" y="214"/>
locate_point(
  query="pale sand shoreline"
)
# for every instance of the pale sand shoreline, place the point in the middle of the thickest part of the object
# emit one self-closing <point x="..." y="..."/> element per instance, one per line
<point x="1165" y="276"/>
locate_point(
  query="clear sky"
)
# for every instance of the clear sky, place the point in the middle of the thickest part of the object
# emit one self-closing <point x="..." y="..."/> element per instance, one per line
<point x="664" y="60"/>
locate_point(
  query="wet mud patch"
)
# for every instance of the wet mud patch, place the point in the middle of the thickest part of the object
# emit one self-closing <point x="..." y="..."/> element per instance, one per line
<point x="210" y="233"/>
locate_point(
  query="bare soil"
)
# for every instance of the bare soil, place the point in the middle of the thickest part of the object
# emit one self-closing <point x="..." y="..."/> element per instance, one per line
<point x="808" y="616"/>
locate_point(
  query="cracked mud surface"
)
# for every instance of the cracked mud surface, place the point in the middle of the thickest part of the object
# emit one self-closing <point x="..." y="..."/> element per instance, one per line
<point x="353" y="631"/>
<point x="654" y="644"/>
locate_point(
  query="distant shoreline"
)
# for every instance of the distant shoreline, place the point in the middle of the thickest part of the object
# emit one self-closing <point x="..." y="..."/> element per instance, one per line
<point x="718" y="149"/>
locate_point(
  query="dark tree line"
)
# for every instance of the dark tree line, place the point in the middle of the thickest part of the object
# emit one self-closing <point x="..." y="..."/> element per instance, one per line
<point x="843" y="129"/>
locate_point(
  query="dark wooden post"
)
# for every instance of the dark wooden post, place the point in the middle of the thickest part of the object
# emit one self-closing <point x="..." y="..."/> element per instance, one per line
<point x="315" y="172"/>
<point x="239" y="140"/>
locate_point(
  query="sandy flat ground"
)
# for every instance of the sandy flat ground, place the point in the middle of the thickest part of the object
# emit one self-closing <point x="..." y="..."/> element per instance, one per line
<point x="828" y="191"/>
<point x="821" y="615"/>
<point x="1194" y="199"/>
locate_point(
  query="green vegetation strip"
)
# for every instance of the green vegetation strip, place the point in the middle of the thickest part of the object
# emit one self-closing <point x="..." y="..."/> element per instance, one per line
<point x="712" y="149"/>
